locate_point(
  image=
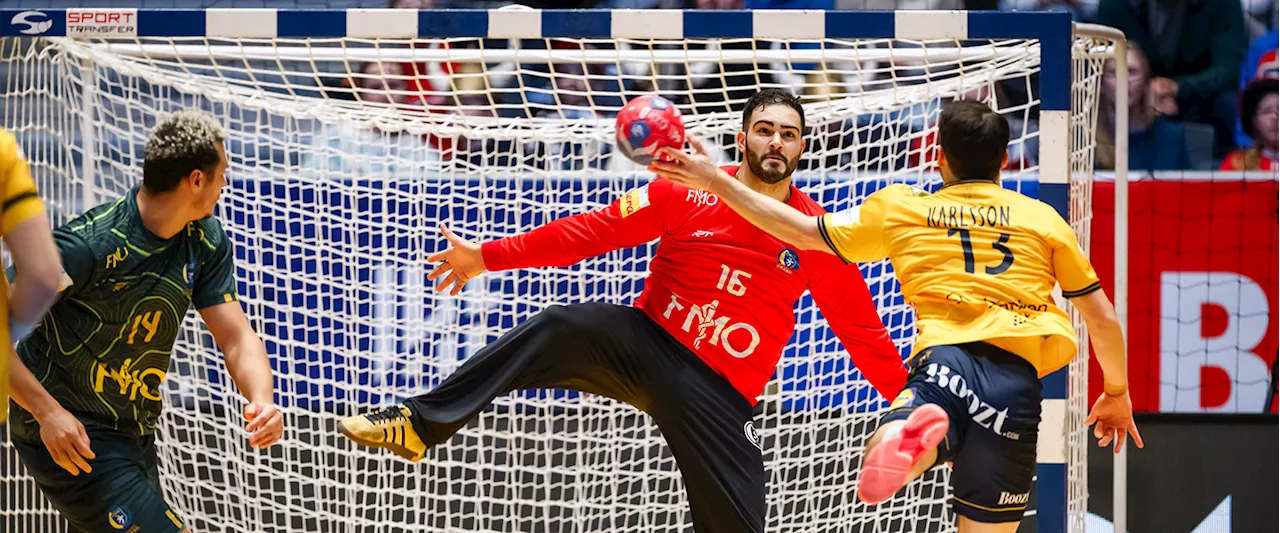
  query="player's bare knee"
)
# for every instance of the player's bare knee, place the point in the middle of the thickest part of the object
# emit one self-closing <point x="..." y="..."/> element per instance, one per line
<point x="969" y="525"/>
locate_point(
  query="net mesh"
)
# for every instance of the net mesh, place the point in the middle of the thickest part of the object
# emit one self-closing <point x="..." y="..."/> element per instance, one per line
<point x="345" y="156"/>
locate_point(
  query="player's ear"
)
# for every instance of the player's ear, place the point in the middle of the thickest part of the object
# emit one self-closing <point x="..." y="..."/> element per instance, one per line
<point x="197" y="179"/>
<point x="1005" y="163"/>
<point x="939" y="156"/>
<point x="741" y="140"/>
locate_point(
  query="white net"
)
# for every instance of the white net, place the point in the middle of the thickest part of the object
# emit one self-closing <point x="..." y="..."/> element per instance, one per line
<point x="346" y="155"/>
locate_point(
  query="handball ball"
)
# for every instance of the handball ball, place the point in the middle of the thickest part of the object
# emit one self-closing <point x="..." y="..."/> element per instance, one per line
<point x="646" y="124"/>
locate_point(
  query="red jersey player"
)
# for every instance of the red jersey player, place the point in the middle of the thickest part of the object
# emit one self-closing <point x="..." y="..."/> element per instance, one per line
<point x="698" y="346"/>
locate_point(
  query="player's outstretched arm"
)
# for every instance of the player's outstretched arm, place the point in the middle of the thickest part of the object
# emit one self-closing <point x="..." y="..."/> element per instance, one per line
<point x="699" y="171"/>
<point x="63" y="435"/>
<point x="633" y="219"/>
<point x="1113" y="412"/>
<point x="246" y="359"/>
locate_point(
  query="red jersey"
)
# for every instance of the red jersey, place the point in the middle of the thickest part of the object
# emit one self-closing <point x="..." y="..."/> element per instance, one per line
<point x="721" y="286"/>
<point x="1236" y="161"/>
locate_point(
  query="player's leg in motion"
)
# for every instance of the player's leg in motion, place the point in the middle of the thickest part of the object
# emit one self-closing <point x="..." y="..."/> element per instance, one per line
<point x="708" y="426"/>
<point x="976" y="406"/>
<point x="613" y="351"/>
<point x="120" y="493"/>
<point x="597" y="348"/>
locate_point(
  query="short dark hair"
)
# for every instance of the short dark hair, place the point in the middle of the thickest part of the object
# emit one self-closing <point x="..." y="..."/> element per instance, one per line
<point x="180" y="144"/>
<point x="974" y="139"/>
<point x="1250" y="98"/>
<point x="768" y="97"/>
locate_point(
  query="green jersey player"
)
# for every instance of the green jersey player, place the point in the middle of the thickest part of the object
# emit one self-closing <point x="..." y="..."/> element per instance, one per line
<point x="87" y="392"/>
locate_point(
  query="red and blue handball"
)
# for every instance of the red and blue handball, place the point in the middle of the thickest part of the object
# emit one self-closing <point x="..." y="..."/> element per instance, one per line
<point x="645" y="125"/>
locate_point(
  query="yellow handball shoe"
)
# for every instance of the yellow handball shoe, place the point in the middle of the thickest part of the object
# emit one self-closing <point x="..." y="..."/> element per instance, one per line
<point x="389" y="428"/>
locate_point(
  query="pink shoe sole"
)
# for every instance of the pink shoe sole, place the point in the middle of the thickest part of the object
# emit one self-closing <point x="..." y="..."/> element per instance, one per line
<point x="885" y="469"/>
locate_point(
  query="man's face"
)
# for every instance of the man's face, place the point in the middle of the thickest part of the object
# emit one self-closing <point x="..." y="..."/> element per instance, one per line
<point x="772" y="143"/>
<point x="209" y="186"/>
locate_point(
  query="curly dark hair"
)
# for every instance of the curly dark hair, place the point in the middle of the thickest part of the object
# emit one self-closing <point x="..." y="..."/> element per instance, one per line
<point x="1249" y="100"/>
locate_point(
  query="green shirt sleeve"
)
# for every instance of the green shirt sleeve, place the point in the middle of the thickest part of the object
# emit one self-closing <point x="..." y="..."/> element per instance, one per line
<point x="216" y="277"/>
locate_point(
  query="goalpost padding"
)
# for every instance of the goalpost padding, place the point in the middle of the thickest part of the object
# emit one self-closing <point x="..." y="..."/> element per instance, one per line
<point x="333" y="224"/>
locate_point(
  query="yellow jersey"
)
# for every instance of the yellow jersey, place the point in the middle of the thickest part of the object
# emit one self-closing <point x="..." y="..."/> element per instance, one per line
<point x="18" y="202"/>
<point x="976" y="261"/>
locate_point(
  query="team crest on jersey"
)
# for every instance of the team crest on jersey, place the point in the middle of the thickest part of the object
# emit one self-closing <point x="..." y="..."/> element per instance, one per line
<point x="789" y="260"/>
<point x="119" y="517"/>
<point x="189" y="273"/>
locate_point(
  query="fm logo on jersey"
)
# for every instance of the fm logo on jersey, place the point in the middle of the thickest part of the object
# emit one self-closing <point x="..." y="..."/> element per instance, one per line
<point x="716" y="330"/>
<point x="789" y="259"/>
<point x="132" y="381"/>
<point x="701" y="197"/>
<point x="635" y="200"/>
<point x="115" y="258"/>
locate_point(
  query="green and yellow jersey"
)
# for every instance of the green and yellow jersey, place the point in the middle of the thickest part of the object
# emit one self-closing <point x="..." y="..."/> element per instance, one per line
<point x="103" y="349"/>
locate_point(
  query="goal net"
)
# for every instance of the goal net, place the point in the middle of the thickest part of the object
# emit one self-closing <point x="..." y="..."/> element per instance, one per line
<point x="348" y="152"/>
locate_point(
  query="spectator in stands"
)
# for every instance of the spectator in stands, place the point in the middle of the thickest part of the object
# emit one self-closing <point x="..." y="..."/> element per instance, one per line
<point x="1081" y="10"/>
<point x="1023" y="147"/>
<point x="1260" y="63"/>
<point x="1195" y="48"/>
<point x="1258" y="112"/>
<point x="1155" y="142"/>
<point x="1260" y="16"/>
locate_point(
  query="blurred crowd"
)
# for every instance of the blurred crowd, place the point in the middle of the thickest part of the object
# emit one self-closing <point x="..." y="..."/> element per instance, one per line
<point x="1202" y="81"/>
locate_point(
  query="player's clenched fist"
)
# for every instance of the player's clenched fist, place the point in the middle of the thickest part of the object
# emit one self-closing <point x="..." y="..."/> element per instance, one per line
<point x="460" y="262"/>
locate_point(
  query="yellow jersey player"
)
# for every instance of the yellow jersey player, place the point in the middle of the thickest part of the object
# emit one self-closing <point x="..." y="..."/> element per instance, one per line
<point x="26" y="232"/>
<point x="978" y="263"/>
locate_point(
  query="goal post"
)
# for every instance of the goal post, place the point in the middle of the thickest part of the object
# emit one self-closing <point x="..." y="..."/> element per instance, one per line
<point x="352" y="134"/>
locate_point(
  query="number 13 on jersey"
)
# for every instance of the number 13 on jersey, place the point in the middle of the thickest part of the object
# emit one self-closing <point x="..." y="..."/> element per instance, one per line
<point x="969" y="263"/>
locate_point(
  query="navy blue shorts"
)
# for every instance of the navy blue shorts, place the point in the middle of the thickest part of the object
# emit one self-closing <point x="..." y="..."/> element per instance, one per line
<point x="121" y="495"/>
<point x="993" y="400"/>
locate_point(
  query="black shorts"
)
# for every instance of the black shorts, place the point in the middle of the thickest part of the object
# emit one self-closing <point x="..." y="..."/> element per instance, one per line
<point x="122" y="494"/>
<point x="619" y="352"/>
<point x="993" y="400"/>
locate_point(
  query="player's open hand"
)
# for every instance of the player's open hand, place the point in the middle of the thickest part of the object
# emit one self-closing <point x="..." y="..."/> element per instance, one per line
<point x="695" y="171"/>
<point x="1113" y="416"/>
<point x="265" y="426"/>
<point x="460" y="262"/>
<point x="66" y="440"/>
